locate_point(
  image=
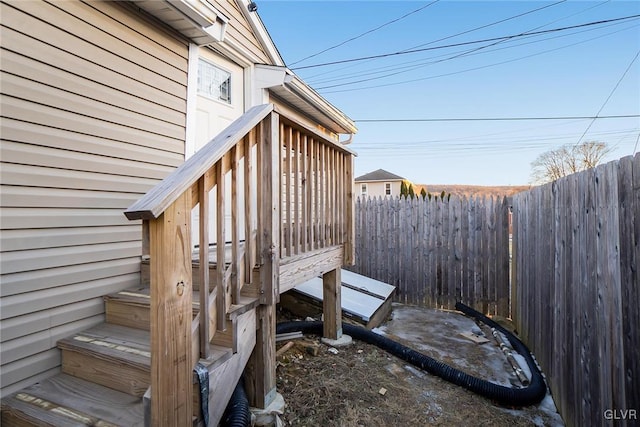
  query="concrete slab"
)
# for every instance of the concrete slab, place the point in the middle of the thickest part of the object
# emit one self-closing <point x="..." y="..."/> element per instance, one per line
<point x="344" y="340"/>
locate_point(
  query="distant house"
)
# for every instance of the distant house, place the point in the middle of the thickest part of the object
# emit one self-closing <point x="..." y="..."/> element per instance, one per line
<point x="378" y="183"/>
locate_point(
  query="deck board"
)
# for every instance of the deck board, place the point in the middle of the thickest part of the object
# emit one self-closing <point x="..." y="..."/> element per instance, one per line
<point x="64" y="400"/>
<point x="361" y="296"/>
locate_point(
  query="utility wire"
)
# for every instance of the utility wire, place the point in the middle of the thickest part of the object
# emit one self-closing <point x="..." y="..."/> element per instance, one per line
<point x="498" y="119"/>
<point x="608" y="97"/>
<point x="392" y="70"/>
<point x="310" y="78"/>
<point x="469" y="69"/>
<point x="471" y="30"/>
<point x="405" y="52"/>
<point x="488" y="25"/>
<point x="366" y="32"/>
<point x="466" y="53"/>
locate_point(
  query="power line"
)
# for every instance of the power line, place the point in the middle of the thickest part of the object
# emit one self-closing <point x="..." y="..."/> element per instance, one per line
<point x="497" y="119"/>
<point x="467" y="69"/>
<point x="470" y="52"/>
<point x="392" y="70"/>
<point x="406" y="52"/>
<point x="312" y="77"/>
<point x="609" y="97"/>
<point x="490" y="24"/>
<point x="367" y="32"/>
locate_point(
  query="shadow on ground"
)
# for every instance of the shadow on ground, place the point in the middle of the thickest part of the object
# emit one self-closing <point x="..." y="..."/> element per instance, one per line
<point x="361" y="385"/>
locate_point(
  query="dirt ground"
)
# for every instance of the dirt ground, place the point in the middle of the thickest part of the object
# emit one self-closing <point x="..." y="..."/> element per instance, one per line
<point x="361" y="385"/>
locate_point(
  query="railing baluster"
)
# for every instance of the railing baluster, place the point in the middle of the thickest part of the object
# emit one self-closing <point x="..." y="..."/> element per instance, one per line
<point x="306" y="185"/>
<point x="221" y="306"/>
<point x="296" y="194"/>
<point x="314" y="201"/>
<point x="259" y="196"/>
<point x="323" y="198"/>
<point x="203" y="211"/>
<point x="288" y="189"/>
<point x="237" y="271"/>
<point x="249" y="197"/>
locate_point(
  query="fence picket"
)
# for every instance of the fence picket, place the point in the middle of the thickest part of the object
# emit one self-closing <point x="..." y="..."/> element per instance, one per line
<point x="577" y="288"/>
<point x="436" y="252"/>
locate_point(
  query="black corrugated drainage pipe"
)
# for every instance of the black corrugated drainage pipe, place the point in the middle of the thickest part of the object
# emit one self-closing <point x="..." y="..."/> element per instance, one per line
<point x="237" y="413"/>
<point x="532" y="394"/>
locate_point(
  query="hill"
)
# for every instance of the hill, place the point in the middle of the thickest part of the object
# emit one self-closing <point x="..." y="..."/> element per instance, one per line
<point x="473" y="190"/>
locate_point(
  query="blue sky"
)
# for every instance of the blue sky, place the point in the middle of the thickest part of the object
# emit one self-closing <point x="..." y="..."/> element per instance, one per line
<point x="562" y="73"/>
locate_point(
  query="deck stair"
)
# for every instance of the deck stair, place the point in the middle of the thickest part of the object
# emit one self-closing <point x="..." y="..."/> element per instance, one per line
<point x="106" y="369"/>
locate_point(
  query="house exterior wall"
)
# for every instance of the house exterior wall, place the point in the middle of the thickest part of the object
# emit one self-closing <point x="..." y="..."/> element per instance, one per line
<point x="239" y="31"/>
<point x="377" y="188"/>
<point x="93" y="106"/>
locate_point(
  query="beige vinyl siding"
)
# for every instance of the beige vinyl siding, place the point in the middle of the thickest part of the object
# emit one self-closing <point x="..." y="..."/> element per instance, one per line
<point x="377" y="188"/>
<point x="93" y="115"/>
<point x="239" y="31"/>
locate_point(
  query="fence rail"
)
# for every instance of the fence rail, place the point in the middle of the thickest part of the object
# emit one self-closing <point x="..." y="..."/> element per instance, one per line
<point x="437" y="252"/>
<point x="576" y="256"/>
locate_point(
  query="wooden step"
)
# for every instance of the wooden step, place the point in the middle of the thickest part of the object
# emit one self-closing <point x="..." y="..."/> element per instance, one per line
<point x="145" y="274"/>
<point x="64" y="400"/>
<point x="131" y="307"/>
<point x="110" y="355"/>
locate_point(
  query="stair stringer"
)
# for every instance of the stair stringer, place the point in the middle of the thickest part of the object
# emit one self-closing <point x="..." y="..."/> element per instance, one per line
<point x="223" y="379"/>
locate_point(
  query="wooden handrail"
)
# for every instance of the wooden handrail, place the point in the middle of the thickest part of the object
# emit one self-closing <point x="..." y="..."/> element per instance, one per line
<point x="294" y="187"/>
<point x="160" y="197"/>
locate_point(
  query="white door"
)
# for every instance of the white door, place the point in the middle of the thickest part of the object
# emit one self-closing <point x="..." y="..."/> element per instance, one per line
<point x="220" y="101"/>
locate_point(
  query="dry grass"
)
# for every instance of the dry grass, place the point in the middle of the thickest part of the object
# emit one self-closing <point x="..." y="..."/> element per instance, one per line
<point x="343" y="390"/>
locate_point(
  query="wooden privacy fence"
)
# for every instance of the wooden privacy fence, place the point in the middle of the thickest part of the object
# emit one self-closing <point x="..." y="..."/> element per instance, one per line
<point x="437" y="252"/>
<point x="576" y="256"/>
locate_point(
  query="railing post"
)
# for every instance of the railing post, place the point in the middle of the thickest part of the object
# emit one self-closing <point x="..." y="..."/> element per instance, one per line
<point x="270" y="224"/>
<point x="332" y="304"/>
<point x="260" y="374"/>
<point x="171" y="313"/>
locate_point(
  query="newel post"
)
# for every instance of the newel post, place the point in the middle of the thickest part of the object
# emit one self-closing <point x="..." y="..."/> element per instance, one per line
<point x="171" y="289"/>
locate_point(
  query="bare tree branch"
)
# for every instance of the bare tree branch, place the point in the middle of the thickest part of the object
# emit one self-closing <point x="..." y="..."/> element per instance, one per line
<point x="568" y="159"/>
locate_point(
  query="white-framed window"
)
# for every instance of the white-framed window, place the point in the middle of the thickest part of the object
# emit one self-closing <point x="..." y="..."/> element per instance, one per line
<point x="214" y="82"/>
<point x="387" y="188"/>
<point x="363" y="189"/>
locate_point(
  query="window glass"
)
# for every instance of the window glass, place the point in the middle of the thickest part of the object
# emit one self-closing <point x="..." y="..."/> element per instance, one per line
<point x="214" y="82"/>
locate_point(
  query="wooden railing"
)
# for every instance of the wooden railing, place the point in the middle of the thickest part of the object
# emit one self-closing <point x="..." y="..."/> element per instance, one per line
<point x="290" y="193"/>
<point x="316" y="192"/>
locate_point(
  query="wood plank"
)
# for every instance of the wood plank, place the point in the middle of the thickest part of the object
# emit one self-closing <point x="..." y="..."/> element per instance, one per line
<point x="318" y="136"/>
<point x="66" y="400"/>
<point x="332" y="304"/>
<point x="237" y="260"/>
<point x="160" y="197"/>
<point x="297" y="177"/>
<point x="260" y="374"/>
<point x="249" y="207"/>
<point x="203" y="273"/>
<point x="221" y="288"/>
<point x="629" y="218"/>
<point x="114" y="356"/>
<point x="288" y="200"/>
<point x="171" y="402"/>
<point x="270" y="224"/>
<point x="303" y="267"/>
